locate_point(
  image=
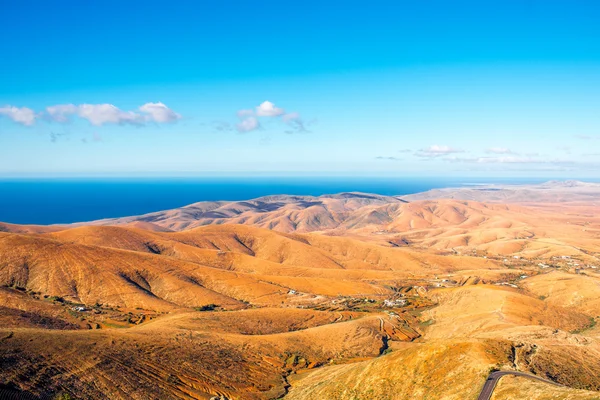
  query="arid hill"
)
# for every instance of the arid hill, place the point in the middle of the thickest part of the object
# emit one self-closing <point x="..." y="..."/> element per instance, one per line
<point x="351" y="296"/>
<point x="282" y="213"/>
<point x="226" y="265"/>
<point x="350" y="211"/>
<point x="534" y="230"/>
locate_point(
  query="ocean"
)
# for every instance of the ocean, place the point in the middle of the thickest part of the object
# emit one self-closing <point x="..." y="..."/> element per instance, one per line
<point x="54" y="201"/>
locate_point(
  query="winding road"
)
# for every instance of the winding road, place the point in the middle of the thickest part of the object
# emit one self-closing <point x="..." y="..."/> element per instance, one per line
<point x="494" y="377"/>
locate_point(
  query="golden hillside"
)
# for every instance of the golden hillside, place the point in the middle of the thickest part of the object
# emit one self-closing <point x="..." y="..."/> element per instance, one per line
<point x="531" y="229"/>
<point x="382" y="299"/>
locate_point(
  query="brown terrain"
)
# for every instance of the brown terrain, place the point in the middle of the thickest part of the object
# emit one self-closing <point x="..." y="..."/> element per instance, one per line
<point x="349" y="296"/>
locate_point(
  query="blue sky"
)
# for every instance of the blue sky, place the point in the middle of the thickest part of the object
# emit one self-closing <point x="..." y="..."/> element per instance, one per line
<point x="408" y="88"/>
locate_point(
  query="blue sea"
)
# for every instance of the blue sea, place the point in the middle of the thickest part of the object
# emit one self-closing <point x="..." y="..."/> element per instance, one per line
<point x="54" y="201"/>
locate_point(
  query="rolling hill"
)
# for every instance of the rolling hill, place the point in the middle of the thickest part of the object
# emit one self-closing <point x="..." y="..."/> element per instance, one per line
<point x="350" y="296"/>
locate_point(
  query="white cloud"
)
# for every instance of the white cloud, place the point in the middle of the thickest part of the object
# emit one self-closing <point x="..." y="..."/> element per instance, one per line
<point x="61" y="112"/>
<point x="499" y="150"/>
<point x="268" y="109"/>
<point x="100" y="114"/>
<point x="437" y="151"/>
<point x="248" y="124"/>
<point x="249" y="118"/>
<point x="25" y="116"/>
<point x="158" y="112"/>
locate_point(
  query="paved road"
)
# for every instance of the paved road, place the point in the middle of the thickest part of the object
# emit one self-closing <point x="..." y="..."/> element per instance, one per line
<point x="494" y="377"/>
